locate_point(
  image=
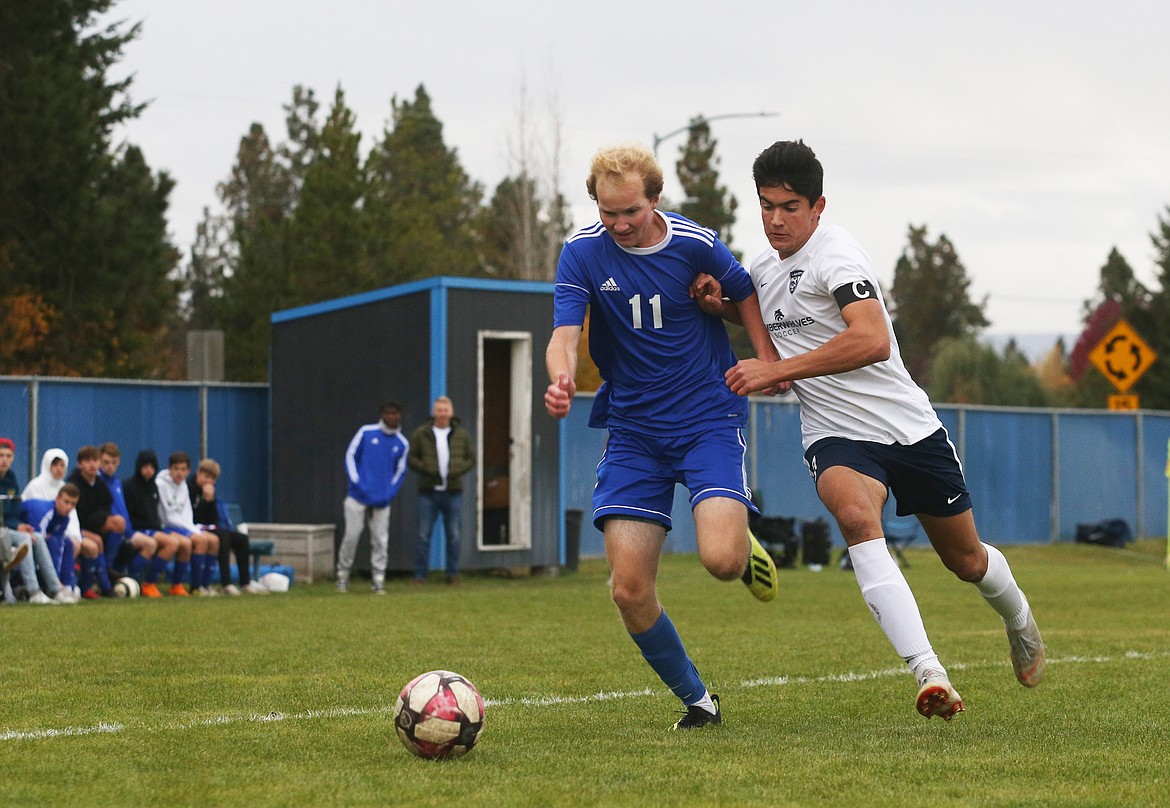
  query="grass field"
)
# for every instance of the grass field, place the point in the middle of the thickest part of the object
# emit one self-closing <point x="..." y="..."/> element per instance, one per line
<point x="286" y="699"/>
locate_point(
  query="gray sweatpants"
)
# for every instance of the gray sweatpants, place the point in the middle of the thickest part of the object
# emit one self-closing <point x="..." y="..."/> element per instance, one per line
<point x="356" y="516"/>
<point x="37" y="562"/>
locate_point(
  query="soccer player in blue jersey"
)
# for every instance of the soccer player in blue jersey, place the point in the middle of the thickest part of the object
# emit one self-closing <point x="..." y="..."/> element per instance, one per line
<point x="56" y="522"/>
<point x="671" y="418"/>
<point x="128" y="551"/>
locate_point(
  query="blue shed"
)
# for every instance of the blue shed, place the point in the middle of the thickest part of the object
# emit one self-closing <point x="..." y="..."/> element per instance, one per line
<point x="481" y="342"/>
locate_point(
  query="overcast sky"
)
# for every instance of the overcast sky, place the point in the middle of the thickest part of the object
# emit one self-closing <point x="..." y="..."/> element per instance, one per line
<point x="1035" y="135"/>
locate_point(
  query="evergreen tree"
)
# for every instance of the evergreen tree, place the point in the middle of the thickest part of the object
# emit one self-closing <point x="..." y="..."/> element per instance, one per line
<point x="239" y="268"/>
<point x="520" y="234"/>
<point x="930" y="301"/>
<point x="203" y="277"/>
<point x="82" y="220"/>
<point x="1119" y="296"/>
<point x="422" y="207"/>
<point x="1149" y="321"/>
<point x="966" y="371"/>
<point x="326" y="235"/>
<point x="1118" y="282"/>
<point x="707" y="202"/>
<point x="305" y="220"/>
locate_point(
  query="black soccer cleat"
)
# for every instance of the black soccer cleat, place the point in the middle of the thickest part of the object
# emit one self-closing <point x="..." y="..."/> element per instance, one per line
<point x="696" y="717"/>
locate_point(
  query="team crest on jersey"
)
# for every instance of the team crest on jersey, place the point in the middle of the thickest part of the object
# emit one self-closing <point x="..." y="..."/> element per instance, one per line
<point x="793" y="279"/>
<point x="610" y="286"/>
<point x="778" y="315"/>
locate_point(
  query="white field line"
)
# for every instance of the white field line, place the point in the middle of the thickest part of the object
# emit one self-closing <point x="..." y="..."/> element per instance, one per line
<point x="532" y="701"/>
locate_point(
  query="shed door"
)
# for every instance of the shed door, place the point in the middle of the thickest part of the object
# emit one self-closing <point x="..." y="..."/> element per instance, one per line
<point x="505" y="440"/>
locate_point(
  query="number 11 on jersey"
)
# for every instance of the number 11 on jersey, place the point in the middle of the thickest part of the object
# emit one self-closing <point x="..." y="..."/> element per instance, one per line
<point x="655" y="310"/>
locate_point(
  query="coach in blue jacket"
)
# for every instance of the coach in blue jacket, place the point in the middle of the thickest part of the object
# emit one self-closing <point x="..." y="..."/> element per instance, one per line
<point x="375" y="463"/>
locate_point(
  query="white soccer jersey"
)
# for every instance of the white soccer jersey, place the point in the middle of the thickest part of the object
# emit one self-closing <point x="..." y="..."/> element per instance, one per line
<point x="879" y="402"/>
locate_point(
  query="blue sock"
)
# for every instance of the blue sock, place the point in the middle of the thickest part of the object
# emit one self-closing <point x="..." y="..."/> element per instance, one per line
<point x="103" y="573"/>
<point x="198" y="562"/>
<point x="68" y="573"/>
<point x="138" y="567"/>
<point x="113" y="545"/>
<point x="180" y="571"/>
<point x="663" y="649"/>
<point x="156" y="568"/>
<point x="209" y="562"/>
<point x="87" y="565"/>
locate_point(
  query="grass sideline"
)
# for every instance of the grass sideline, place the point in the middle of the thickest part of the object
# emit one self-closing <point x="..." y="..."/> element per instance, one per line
<point x="285" y="699"/>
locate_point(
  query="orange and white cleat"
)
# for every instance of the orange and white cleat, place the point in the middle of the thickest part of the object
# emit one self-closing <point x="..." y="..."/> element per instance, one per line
<point x="937" y="697"/>
<point x="1028" y="657"/>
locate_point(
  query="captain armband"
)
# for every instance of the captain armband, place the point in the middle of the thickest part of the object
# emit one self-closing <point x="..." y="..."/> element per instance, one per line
<point x="852" y="292"/>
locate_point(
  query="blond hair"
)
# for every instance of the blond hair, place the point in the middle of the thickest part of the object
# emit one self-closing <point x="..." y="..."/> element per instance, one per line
<point x="209" y="467"/>
<point x="614" y="162"/>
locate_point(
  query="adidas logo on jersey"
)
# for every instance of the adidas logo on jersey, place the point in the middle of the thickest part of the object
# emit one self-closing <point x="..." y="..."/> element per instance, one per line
<point x="610" y="286"/>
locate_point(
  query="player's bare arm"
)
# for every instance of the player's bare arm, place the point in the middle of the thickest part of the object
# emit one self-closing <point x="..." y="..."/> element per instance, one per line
<point x="864" y="341"/>
<point x="560" y="358"/>
<point x="748" y="311"/>
<point x="708" y="294"/>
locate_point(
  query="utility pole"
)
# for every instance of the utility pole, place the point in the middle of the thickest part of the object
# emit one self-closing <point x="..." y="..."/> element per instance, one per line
<point x="704" y="119"/>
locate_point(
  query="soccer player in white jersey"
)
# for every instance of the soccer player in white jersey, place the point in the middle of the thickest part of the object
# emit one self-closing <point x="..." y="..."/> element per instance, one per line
<point x="670" y="416"/>
<point x="867" y="428"/>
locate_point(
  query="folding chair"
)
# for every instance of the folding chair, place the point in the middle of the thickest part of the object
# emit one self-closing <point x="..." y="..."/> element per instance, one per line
<point x="901" y="531"/>
<point x="256" y="548"/>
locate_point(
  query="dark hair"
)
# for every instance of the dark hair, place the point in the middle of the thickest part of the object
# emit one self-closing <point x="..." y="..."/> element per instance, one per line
<point x="88" y="453"/>
<point x="70" y="489"/>
<point x="790" y="164"/>
<point x="179" y="457"/>
<point x="390" y="405"/>
<point x="145" y="457"/>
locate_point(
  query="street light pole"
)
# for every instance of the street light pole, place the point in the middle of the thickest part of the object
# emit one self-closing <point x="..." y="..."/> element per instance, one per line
<point x="702" y="119"/>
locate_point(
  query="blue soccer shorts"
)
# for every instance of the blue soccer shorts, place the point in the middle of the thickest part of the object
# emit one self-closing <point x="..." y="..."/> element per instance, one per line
<point x="637" y="473"/>
<point x="925" y="477"/>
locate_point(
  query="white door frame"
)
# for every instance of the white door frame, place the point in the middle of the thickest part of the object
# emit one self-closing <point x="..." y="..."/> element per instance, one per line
<point x="520" y="447"/>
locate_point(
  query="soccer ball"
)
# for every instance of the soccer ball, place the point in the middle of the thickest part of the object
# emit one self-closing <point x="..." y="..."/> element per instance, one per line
<point x="439" y="715"/>
<point x="126" y="588"/>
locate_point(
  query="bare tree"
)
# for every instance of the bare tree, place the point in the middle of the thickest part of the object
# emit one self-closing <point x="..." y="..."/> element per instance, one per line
<point x="526" y="221"/>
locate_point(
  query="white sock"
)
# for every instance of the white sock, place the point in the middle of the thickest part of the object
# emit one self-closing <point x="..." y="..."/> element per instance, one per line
<point x="999" y="588"/>
<point x="705" y="703"/>
<point x="889" y="598"/>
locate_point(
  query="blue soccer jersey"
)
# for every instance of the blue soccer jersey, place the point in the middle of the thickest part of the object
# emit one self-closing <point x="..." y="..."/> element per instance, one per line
<point x="661" y="357"/>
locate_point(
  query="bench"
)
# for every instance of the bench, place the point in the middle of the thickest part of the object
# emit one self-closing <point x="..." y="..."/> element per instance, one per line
<point x="257" y="548"/>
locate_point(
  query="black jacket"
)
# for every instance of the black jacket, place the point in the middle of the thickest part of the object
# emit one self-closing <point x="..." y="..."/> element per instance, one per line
<point x="95" y="504"/>
<point x="142" y="495"/>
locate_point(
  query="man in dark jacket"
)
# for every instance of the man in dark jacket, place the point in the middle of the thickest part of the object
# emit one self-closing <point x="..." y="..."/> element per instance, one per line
<point x="95" y="511"/>
<point x="440" y="453"/>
